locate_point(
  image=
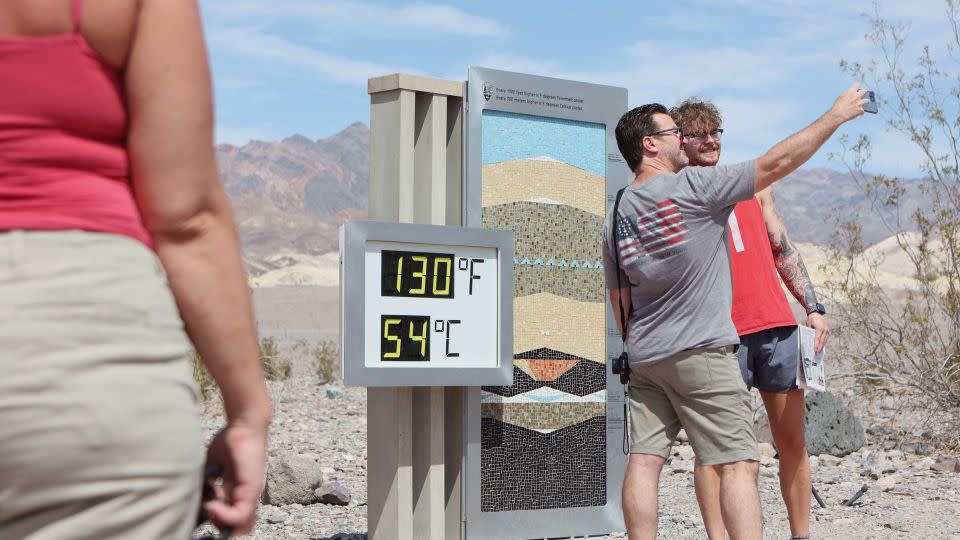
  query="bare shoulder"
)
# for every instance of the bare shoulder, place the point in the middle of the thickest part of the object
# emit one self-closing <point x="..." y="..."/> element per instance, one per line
<point x="765" y="198"/>
<point x="107" y="25"/>
<point x="35" y="17"/>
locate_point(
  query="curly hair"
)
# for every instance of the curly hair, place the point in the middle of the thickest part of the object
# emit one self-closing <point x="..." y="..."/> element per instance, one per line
<point x="696" y="116"/>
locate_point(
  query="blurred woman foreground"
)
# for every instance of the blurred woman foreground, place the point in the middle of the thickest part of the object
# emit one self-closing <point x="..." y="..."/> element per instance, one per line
<point x="117" y="249"/>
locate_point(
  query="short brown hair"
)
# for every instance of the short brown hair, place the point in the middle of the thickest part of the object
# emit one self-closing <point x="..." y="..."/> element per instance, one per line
<point x="695" y="116"/>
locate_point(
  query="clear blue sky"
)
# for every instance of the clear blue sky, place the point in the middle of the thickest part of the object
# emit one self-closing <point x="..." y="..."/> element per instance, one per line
<point x="282" y="67"/>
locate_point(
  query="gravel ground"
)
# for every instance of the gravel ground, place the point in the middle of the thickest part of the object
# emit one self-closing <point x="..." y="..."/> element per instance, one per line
<point x="907" y="499"/>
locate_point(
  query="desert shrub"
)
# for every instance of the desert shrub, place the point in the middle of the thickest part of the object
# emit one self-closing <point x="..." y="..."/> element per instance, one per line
<point x="326" y="361"/>
<point x="275" y="367"/>
<point x="201" y="376"/>
<point x="301" y="346"/>
<point x="907" y="342"/>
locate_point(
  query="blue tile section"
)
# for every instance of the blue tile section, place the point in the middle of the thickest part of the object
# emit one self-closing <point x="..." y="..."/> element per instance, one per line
<point x="510" y="136"/>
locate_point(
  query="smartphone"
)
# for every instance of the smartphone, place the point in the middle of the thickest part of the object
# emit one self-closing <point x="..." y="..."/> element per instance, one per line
<point x="872" y="106"/>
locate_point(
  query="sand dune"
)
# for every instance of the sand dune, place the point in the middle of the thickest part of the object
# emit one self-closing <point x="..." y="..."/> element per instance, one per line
<point x="886" y="259"/>
<point x="298" y="275"/>
<point x="300" y="269"/>
<point x="893" y="267"/>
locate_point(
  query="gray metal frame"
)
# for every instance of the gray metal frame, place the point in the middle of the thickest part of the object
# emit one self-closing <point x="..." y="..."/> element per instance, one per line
<point x="353" y="238"/>
<point x="601" y="104"/>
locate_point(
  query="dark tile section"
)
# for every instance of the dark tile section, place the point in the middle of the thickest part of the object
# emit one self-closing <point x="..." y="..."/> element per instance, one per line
<point x="544" y="353"/>
<point x="585" y="378"/>
<point x="522" y="469"/>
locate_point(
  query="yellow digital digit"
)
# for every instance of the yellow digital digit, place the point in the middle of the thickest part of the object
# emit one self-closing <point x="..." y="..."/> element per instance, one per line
<point x="399" y="271"/>
<point x="387" y="323"/>
<point x="445" y="291"/>
<point x="422" y="274"/>
<point x="422" y="337"/>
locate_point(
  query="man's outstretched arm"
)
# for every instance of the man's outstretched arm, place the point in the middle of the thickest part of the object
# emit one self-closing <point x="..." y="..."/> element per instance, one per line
<point x="790" y="266"/>
<point x="795" y="150"/>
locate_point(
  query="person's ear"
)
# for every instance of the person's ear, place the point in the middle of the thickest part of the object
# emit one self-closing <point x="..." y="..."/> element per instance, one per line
<point x="650" y="145"/>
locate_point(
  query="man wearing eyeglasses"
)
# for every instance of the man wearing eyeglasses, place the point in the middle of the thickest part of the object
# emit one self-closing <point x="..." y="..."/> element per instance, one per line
<point x="760" y="248"/>
<point x="666" y="246"/>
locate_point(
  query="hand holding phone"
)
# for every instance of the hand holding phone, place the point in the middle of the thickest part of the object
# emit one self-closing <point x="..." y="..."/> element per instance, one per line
<point x="872" y="106"/>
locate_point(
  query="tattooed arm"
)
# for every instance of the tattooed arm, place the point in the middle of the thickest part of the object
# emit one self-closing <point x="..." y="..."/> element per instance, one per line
<point x="785" y="255"/>
<point x="791" y="268"/>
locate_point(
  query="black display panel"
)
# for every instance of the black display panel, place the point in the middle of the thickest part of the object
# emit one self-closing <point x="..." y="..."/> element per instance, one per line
<point x="416" y="275"/>
<point x="404" y="338"/>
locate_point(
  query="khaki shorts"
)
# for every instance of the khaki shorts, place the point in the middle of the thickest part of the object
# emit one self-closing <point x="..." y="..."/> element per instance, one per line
<point x="700" y="390"/>
<point x="99" y="419"/>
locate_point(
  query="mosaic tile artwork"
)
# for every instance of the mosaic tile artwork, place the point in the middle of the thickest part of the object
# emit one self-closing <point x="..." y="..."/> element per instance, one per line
<point x="560" y="469"/>
<point x="559" y="323"/>
<point x="543" y="439"/>
<point x="584" y="378"/>
<point x="552" y="232"/>
<point x="545" y="370"/>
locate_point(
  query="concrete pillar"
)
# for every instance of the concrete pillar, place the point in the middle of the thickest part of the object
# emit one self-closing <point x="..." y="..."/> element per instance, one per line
<point x="414" y="449"/>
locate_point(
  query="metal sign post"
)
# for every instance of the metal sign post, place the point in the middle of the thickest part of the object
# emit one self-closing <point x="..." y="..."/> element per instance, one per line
<point x="415" y="431"/>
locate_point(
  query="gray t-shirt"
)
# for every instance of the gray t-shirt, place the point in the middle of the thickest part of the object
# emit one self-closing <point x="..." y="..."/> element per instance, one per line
<point x="674" y="257"/>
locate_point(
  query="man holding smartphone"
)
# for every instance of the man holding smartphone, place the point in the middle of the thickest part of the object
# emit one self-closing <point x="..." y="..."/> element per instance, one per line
<point x="760" y="248"/>
<point x="668" y="250"/>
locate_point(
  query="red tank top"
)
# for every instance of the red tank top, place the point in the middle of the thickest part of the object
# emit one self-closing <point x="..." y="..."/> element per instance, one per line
<point x="63" y="126"/>
<point x="758" y="299"/>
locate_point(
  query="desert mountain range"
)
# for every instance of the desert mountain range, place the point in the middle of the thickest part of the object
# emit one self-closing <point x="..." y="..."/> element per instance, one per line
<point x="291" y="196"/>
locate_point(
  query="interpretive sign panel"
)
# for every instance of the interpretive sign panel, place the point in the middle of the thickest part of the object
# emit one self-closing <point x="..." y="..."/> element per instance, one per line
<point x="543" y="163"/>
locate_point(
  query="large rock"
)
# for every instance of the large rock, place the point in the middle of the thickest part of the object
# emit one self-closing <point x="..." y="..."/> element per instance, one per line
<point x="831" y="426"/>
<point x="292" y="479"/>
<point x="761" y="426"/>
<point x="946" y="464"/>
<point x="333" y="493"/>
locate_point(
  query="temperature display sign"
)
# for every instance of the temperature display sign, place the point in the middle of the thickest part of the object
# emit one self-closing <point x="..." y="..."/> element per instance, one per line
<point x="425" y="305"/>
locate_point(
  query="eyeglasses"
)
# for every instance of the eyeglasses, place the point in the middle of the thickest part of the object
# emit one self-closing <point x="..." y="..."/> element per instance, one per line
<point x="669" y="131"/>
<point x="715" y="133"/>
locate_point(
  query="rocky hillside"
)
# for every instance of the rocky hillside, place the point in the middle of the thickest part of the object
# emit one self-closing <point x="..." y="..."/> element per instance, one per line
<point x="290" y="198"/>
<point x="811" y="200"/>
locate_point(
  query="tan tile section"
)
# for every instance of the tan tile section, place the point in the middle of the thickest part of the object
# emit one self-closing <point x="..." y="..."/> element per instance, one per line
<point x="558" y="323"/>
<point x="542" y="415"/>
<point x="528" y="179"/>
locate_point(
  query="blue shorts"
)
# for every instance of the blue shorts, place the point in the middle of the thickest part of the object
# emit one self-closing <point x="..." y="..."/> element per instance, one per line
<point x="768" y="359"/>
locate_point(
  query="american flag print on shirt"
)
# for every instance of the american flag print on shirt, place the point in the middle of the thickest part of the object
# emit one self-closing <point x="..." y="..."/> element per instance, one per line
<point x="651" y="233"/>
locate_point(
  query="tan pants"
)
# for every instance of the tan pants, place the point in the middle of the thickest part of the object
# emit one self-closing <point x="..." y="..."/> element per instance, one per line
<point x="700" y="390"/>
<point x="99" y="423"/>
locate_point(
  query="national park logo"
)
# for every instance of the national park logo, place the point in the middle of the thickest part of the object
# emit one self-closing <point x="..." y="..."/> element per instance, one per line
<point x="487" y="91"/>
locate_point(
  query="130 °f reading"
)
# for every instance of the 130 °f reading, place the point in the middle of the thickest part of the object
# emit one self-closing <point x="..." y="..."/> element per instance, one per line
<point x="413" y="274"/>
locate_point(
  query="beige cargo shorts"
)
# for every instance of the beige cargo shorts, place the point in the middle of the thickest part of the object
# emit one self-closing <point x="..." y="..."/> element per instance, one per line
<point x="701" y="391"/>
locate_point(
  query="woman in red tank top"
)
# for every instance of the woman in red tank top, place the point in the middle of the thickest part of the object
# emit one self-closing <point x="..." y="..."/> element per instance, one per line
<point x="117" y="249"/>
